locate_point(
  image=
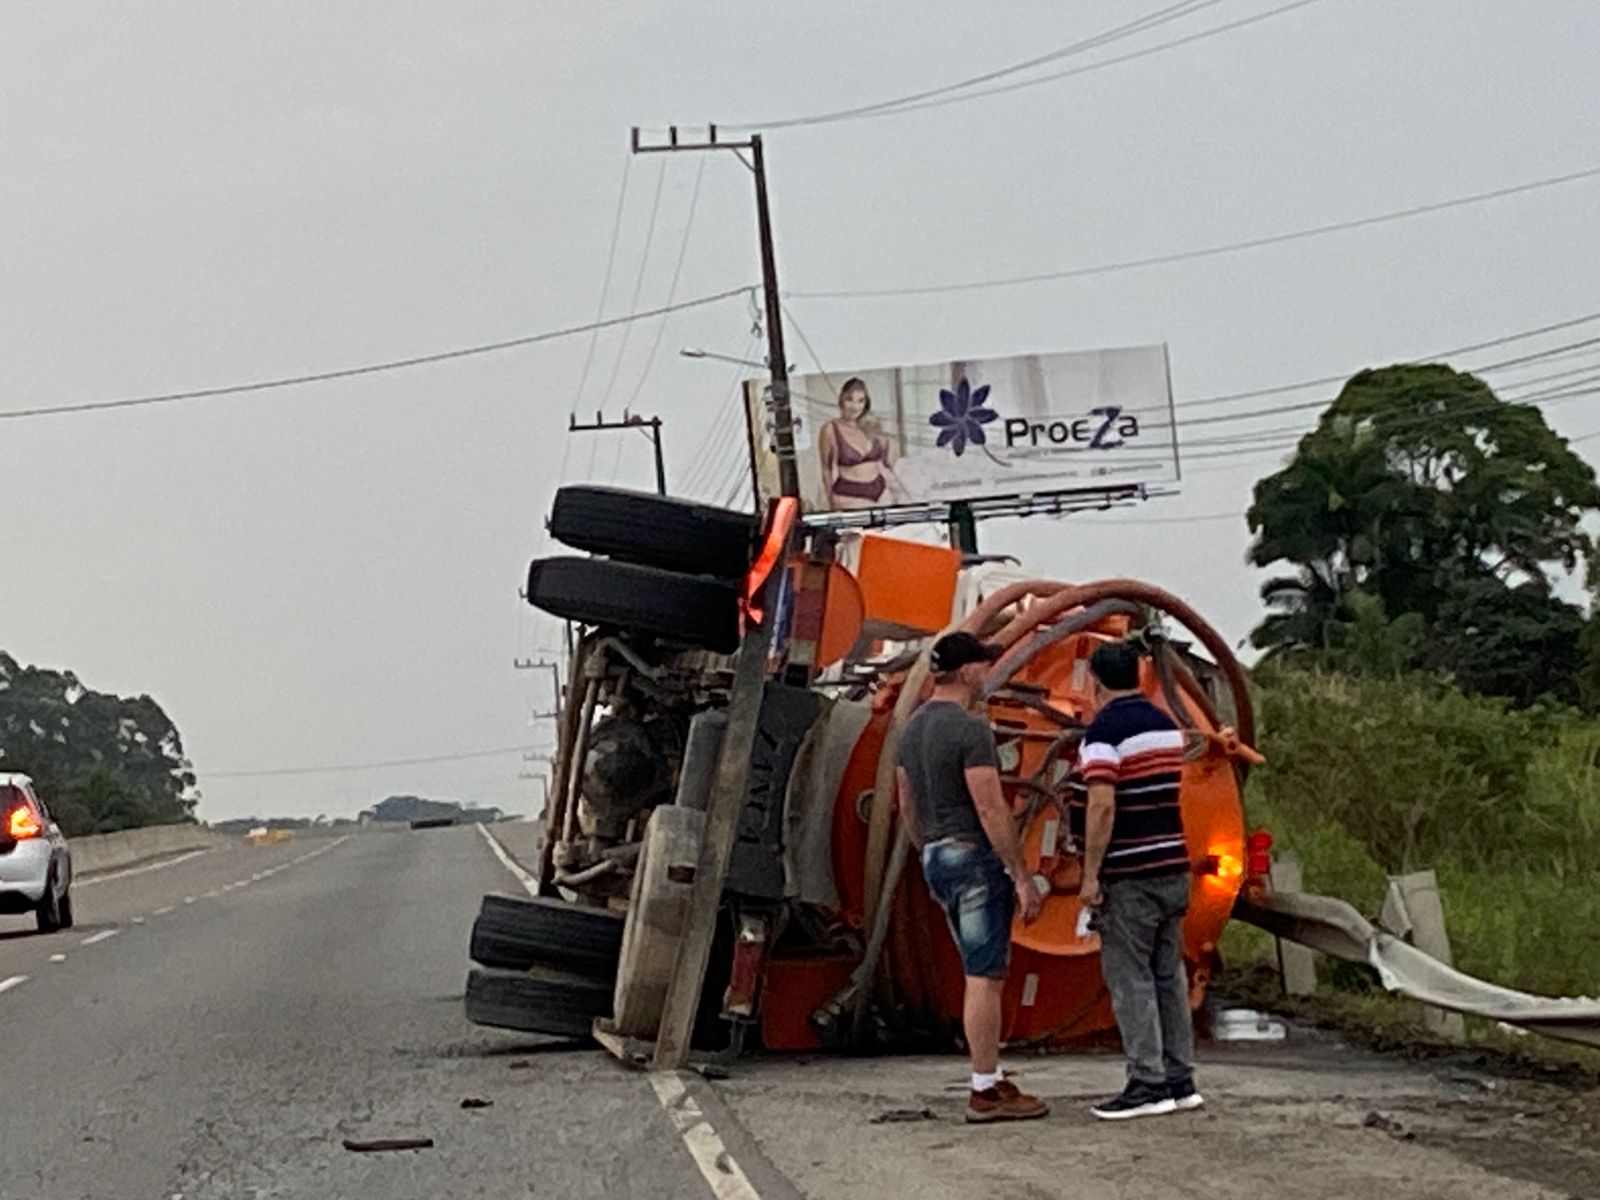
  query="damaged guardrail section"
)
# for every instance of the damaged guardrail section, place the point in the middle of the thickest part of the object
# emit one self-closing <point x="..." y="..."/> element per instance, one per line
<point x="1337" y="929"/>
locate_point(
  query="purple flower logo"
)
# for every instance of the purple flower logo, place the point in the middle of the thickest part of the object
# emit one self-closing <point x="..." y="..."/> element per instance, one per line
<point x="961" y="417"/>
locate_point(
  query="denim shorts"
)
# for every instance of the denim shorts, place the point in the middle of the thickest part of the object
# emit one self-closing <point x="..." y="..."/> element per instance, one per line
<point x="972" y="886"/>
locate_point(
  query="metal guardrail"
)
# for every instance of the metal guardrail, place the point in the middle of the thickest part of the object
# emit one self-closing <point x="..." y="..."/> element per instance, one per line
<point x="1335" y="928"/>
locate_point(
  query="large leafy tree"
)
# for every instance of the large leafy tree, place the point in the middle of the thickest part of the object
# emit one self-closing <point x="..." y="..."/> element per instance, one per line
<point x="1420" y="488"/>
<point x="102" y="762"/>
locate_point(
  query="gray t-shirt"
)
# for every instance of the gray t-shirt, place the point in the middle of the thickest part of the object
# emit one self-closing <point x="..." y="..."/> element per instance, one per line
<point x="941" y="740"/>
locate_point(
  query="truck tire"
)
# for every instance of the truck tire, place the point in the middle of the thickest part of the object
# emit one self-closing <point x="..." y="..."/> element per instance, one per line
<point x="514" y="934"/>
<point x="558" y="1003"/>
<point x="687" y="608"/>
<point x="655" y="531"/>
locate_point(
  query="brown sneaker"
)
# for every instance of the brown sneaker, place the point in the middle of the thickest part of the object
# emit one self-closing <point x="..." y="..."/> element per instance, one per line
<point x="1003" y="1102"/>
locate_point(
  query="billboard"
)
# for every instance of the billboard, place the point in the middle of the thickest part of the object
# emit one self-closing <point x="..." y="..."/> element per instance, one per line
<point x="968" y="430"/>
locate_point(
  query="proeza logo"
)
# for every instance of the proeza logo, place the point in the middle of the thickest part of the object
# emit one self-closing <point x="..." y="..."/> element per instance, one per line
<point x="1103" y="429"/>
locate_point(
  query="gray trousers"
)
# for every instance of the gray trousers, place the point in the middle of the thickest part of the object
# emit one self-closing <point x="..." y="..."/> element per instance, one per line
<point x="1141" y="954"/>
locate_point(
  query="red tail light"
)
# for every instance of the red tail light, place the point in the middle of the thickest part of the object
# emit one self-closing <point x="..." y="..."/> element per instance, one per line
<point x="23" y="824"/>
<point x="1259" y="848"/>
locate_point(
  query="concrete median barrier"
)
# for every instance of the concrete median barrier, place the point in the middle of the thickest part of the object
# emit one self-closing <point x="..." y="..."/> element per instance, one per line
<point x="130" y="847"/>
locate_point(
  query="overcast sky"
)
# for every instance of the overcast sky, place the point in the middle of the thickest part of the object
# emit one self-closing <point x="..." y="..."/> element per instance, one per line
<point x="195" y="194"/>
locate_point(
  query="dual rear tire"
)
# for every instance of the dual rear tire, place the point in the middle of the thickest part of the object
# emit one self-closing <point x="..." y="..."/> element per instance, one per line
<point x="546" y="966"/>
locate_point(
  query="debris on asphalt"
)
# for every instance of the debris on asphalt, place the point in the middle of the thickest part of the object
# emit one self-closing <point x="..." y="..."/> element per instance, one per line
<point x="384" y="1145"/>
<point x="1248" y="1025"/>
<point x="1376" y="1120"/>
<point x="896" y="1116"/>
<point x="475" y="1102"/>
<point x="709" y="1070"/>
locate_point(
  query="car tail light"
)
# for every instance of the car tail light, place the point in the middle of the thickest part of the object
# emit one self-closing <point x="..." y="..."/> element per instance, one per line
<point x="22" y="823"/>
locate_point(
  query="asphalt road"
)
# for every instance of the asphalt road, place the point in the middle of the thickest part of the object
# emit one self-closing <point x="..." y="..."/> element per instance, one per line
<point x="225" y="1047"/>
<point x="217" y="1026"/>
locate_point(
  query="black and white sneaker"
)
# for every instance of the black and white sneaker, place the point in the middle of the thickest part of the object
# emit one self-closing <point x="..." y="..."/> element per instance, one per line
<point x="1137" y="1100"/>
<point x="1184" y="1096"/>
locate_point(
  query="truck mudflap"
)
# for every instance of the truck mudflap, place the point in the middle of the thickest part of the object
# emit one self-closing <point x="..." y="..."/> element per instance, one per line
<point x="1335" y="928"/>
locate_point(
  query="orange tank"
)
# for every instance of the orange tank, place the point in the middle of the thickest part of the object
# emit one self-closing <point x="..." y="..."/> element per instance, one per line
<point x="1040" y="698"/>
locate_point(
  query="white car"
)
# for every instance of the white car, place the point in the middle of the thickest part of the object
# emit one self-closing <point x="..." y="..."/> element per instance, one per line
<point x="35" y="864"/>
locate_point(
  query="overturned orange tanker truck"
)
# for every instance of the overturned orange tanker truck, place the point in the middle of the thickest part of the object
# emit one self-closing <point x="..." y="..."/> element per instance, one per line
<point x="823" y="937"/>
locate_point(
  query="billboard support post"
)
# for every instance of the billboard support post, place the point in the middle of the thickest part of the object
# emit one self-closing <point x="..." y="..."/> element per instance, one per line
<point x="963" y="528"/>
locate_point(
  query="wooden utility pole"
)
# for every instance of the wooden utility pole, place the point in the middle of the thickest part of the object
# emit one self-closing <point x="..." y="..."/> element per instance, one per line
<point x="629" y="421"/>
<point x="732" y="781"/>
<point x="545" y="664"/>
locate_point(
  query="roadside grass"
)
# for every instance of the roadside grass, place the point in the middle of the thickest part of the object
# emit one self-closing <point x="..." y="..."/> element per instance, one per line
<point x="1369" y="777"/>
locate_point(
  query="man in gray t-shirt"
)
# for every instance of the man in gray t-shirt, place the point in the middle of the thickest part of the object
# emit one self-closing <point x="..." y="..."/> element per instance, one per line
<point x="958" y="817"/>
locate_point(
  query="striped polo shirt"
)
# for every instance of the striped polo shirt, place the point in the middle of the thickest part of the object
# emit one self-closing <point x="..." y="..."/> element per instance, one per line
<point x="1135" y="746"/>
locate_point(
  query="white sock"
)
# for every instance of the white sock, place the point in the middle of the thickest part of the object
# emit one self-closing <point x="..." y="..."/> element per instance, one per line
<point x="982" y="1083"/>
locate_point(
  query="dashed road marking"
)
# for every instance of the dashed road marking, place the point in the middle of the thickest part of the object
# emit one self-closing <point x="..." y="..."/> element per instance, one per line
<point x="188" y="899"/>
<point x="161" y="912"/>
<point x="160" y="866"/>
<point x="529" y="883"/>
<point x="211" y="895"/>
<point x="103" y="935"/>
<point x="720" y="1169"/>
<point x="138" y="920"/>
<point x="58" y="958"/>
<point x="7" y="984"/>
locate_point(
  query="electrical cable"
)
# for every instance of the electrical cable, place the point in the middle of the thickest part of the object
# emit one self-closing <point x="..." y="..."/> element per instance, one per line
<point x="366" y="766"/>
<point x="605" y="284"/>
<point x="1149" y="21"/>
<point x="1205" y="251"/>
<point x="633" y="306"/>
<point x="398" y="364"/>
<point x="672" y="290"/>
<point x="938" y="97"/>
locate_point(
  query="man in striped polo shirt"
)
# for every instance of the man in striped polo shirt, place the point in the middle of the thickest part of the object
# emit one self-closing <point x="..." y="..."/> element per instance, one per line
<point x="1136" y="876"/>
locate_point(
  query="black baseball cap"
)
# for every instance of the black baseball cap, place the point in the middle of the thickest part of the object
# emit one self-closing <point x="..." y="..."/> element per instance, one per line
<point x="955" y="650"/>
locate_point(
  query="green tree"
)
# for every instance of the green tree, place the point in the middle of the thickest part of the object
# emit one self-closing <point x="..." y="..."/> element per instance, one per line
<point x="1422" y="489"/>
<point x="102" y="762"/>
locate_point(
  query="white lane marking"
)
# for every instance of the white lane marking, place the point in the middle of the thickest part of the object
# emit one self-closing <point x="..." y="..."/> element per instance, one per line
<point x="138" y="920"/>
<point x="7" y="984"/>
<point x="241" y="883"/>
<point x="529" y="883"/>
<point x="211" y="895"/>
<point x="102" y="936"/>
<point x="58" y="958"/>
<point x="160" y="866"/>
<point x="721" y="1170"/>
<point x="188" y="899"/>
<point x="161" y="912"/>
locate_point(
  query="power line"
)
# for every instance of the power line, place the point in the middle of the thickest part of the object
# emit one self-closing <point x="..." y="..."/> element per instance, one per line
<point x="1205" y="251"/>
<point x="1324" y="381"/>
<point x="880" y="108"/>
<point x="672" y="290"/>
<point x="605" y="285"/>
<point x="1306" y="405"/>
<point x="638" y="281"/>
<point x="1577" y="390"/>
<point x="936" y="99"/>
<point x="633" y="306"/>
<point x="367" y="766"/>
<point x="397" y="364"/>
